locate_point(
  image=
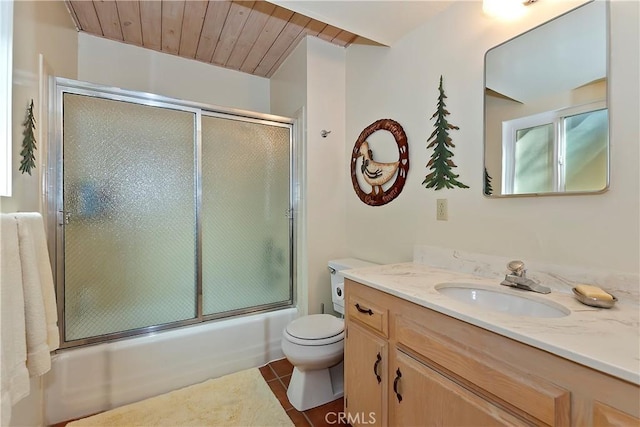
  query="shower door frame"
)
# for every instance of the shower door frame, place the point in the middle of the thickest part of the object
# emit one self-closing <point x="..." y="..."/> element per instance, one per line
<point x="54" y="189"/>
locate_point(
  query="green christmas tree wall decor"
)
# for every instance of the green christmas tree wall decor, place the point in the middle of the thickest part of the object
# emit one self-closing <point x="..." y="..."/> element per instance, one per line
<point x="488" y="189"/>
<point x="440" y="163"/>
<point x="28" y="143"/>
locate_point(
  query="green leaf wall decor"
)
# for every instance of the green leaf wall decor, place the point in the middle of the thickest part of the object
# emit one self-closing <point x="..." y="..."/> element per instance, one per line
<point x="440" y="164"/>
<point x="28" y="143"/>
<point x="488" y="189"/>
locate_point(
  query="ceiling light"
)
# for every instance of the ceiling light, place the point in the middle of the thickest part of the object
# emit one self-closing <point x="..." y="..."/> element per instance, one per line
<point x="505" y="9"/>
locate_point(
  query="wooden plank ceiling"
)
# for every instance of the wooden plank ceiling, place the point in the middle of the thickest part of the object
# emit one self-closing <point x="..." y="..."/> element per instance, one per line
<point x="254" y="37"/>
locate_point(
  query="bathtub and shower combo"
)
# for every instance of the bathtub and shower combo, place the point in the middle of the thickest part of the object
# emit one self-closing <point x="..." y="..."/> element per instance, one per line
<point x="170" y="224"/>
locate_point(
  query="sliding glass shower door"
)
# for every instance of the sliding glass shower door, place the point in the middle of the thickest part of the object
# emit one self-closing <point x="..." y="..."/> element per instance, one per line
<point x="245" y="214"/>
<point x="129" y="204"/>
<point x="170" y="215"/>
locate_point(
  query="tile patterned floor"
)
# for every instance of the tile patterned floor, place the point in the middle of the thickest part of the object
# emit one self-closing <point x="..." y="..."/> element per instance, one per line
<point x="277" y="374"/>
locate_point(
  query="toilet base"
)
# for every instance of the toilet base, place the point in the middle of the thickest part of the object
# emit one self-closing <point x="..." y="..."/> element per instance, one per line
<point x="308" y="389"/>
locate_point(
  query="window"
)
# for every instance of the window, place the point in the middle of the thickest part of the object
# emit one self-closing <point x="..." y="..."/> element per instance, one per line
<point x="562" y="150"/>
<point x="6" y="70"/>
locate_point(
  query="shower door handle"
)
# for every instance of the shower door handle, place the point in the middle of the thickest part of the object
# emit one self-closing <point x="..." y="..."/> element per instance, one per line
<point x="65" y="217"/>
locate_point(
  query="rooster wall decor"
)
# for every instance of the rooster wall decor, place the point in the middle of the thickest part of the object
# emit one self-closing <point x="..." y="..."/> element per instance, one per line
<point x="377" y="174"/>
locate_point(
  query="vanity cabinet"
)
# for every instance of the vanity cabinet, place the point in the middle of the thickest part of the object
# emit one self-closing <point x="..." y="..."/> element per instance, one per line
<point x="436" y="370"/>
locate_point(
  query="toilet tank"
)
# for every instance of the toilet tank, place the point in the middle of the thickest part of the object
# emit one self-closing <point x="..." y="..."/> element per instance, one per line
<point x="337" y="279"/>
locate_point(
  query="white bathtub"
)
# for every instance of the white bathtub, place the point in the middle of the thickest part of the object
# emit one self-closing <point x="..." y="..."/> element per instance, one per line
<point x="96" y="378"/>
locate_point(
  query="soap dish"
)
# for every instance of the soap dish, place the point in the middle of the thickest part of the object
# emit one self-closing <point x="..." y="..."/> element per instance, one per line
<point x="595" y="302"/>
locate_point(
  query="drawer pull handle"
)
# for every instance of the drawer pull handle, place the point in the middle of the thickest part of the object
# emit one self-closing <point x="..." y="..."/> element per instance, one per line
<point x="375" y="368"/>
<point x="362" y="310"/>
<point x="395" y="385"/>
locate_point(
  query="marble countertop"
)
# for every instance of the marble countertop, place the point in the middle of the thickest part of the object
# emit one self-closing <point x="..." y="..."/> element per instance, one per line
<point x="607" y="340"/>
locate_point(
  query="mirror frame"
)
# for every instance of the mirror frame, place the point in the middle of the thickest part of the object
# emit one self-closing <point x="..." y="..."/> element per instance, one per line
<point x="607" y="17"/>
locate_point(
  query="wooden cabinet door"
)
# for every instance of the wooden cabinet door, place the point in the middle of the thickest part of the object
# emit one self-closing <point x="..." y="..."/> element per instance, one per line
<point x="421" y="396"/>
<point x="365" y="368"/>
<point x="606" y="416"/>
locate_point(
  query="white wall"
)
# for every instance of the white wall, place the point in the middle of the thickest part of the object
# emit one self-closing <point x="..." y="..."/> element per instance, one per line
<point x="314" y="77"/>
<point x="401" y="82"/>
<point x="288" y="85"/>
<point x="39" y="27"/>
<point x="326" y="166"/>
<point x="131" y="67"/>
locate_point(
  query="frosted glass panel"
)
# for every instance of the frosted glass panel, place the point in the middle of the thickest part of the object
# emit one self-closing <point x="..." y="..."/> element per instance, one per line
<point x="129" y="190"/>
<point x="245" y="230"/>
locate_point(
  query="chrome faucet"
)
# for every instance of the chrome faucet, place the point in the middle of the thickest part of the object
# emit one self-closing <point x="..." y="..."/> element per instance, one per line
<point x="518" y="279"/>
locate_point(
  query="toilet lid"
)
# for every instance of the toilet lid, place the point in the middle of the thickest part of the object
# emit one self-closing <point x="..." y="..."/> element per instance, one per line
<point x="315" y="327"/>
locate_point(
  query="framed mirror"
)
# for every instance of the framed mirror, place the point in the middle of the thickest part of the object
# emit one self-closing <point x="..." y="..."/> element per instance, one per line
<point x="546" y="117"/>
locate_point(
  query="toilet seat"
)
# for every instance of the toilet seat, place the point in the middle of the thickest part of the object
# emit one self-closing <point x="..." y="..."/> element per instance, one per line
<point x="315" y="330"/>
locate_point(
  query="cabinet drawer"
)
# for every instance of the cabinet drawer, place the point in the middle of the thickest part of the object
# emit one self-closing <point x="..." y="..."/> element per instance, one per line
<point x="364" y="311"/>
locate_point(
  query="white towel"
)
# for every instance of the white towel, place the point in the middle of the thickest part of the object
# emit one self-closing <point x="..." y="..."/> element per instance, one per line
<point x="39" y="296"/>
<point x="36" y="227"/>
<point x="14" y="376"/>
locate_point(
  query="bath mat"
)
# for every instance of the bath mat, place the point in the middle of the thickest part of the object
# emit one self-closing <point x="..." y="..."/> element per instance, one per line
<point x="240" y="399"/>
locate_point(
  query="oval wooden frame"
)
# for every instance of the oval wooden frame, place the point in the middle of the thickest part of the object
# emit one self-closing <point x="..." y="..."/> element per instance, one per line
<point x="403" y="151"/>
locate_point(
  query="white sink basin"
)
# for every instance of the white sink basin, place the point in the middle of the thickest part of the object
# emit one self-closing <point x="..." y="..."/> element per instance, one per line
<point x="505" y="302"/>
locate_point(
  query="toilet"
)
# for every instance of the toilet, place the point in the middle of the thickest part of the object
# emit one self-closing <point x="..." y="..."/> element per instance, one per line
<point x="314" y="345"/>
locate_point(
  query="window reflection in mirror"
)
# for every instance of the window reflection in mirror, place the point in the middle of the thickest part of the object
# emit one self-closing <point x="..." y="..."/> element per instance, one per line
<point x="546" y="116"/>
